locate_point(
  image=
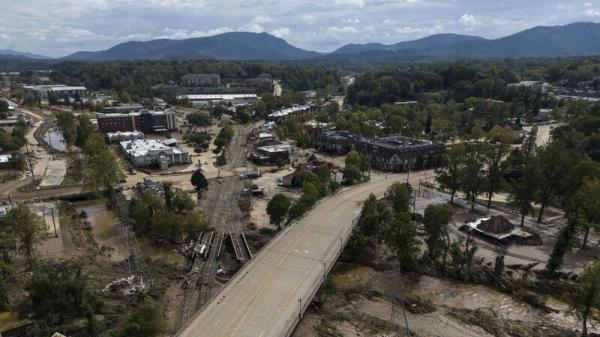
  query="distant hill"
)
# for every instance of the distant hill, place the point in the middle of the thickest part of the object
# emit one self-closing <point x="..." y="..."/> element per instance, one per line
<point x="577" y="39"/>
<point x="227" y="46"/>
<point x="426" y="42"/>
<point x="7" y="53"/>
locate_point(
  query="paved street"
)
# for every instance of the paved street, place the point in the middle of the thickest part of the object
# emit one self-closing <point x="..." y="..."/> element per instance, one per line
<point x="265" y="297"/>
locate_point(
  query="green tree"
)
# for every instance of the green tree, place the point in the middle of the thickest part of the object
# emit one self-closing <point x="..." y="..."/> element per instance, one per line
<point x="102" y="175"/>
<point x="402" y="239"/>
<point x="353" y="158"/>
<point x="435" y="222"/>
<point x="58" y="291"/>
<point x="584" y="300"/>
<point x="449" y="175"/>
<point x="85" y="129"/>
<point x="471" y="174"/>
<point x="351" y="173"/>
<point x="278" y="208"/>
<point x="66" y="124"/>
<point x="399" y="195"/>
<point x="199" y="119"/>
<point x="146" y="320"/>
<point x="27" y="227"/>
<point x="590" y="207"/>
<point x="502" y="135"/>
<point x="552" y="164"/>
<point x="94" y="144"/>
<point x="199" y="180"/>
<point x="494" y="170"/>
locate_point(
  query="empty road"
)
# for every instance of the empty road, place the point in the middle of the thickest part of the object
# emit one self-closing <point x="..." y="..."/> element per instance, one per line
<point x="265" y="298"/>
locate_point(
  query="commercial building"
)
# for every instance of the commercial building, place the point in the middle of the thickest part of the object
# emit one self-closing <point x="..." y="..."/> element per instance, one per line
<point x="284" y="114"/>
<point x="200" y="80"/>
<point x="392" y="153"/>
<point x="146" y="121"/>
<point x="122" y="136"/>
<point x="153" y="153"/>
<point x="123" y="108"/>
<point x="234" y="99"/>
<point x="266" y="155"/>
<point x="42" y="91"/>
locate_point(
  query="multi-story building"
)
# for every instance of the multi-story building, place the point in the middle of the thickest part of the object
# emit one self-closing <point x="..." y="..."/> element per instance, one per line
<point x="42" y="91"/>
<point x="390" y="153"/>
<point x="154" y="153"/>
<point x="146" y="121"/>
<point x="234" y="99"/>
<point x="200" y="80"/>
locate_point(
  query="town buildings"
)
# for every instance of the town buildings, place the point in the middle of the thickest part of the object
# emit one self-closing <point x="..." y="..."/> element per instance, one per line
<point x="200" y="80"/>
<point x="284" y="114"/>
<point x="234" y="99"/>
<point x="146" y="121"/>
<point x="154" y="153"/>
<point x="392" y="153"/>
<point x="42" y="91"/>
<point x="266" y="155"/>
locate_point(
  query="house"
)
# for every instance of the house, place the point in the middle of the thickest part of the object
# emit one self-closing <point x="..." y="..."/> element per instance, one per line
<point x="6" y="162"/>
<point x="497" y="228"/>
<point x="152" y="152"/>
<point x="497" y="224"/>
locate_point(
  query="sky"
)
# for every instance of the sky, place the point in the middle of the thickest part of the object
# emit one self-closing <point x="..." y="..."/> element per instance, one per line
<point x="60" y="27"/>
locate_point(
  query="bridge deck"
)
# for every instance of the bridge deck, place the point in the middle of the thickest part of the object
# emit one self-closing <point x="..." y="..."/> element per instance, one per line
<point x="266" y="297"/>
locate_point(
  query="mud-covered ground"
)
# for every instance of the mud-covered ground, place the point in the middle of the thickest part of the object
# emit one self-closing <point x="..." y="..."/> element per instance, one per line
<point x="357" y="301"/>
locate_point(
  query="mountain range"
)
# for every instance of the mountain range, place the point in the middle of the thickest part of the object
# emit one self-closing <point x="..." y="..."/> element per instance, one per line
<point x="577" y="39"/>
<point x="8" y="53"/>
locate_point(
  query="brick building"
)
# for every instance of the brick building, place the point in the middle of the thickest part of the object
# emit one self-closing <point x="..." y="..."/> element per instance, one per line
<point x="146" y="121"/>
<point x="392" y="153"/>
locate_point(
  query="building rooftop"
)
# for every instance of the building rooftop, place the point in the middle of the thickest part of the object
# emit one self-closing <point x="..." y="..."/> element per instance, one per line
<point x="224" y="97"/>
<point x="145" y="147"/>
<point x="289" y="111"/>
<point x="5" y="158"/>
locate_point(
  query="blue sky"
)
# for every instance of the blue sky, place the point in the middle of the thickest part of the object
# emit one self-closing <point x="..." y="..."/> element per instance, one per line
<point x="60" y="27"/>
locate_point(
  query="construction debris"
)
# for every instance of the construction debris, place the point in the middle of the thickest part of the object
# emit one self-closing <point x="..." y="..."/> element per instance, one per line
<point x="126" y="285"/>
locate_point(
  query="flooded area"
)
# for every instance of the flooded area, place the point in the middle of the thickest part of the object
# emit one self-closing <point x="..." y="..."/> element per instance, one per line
<point x="108" y="233"/>
<point x="55" y="140"/>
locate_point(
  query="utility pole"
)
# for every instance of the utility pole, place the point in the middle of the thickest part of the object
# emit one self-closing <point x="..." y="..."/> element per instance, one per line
<point x="54" y="222"/>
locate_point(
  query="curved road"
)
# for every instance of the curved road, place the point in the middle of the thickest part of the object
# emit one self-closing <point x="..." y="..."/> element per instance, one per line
<point x="266" y="297"/>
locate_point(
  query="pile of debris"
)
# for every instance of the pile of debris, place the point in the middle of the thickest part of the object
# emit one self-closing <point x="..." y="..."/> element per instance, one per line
<point x="126" y="285"/>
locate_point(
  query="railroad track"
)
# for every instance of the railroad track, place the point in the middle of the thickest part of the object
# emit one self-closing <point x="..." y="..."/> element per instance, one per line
<point x="225" y="217"/>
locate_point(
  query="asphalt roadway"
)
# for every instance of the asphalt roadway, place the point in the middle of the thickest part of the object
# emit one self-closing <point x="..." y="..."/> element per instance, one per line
<point x="266" y="298"/>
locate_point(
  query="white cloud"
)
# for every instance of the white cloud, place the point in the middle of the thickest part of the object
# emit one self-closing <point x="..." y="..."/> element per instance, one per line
<point x="468" y="20"/>
<point x="282" y="32"/>
<point x="355" y="3"/>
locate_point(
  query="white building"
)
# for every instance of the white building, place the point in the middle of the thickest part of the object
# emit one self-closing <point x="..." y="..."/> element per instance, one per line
<point x="220" y="98"/>
<point x="152" y="152"/>
<point x="123" y="136"/>
<point x="283" y="114"/>
<point x="42" y="91"/>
